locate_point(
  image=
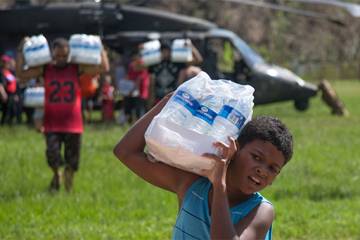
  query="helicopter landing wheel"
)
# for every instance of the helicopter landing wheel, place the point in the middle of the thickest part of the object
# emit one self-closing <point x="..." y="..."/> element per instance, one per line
<point x="301" y="105"/>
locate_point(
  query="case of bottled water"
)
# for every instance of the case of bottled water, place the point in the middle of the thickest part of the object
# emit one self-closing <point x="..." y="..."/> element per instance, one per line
<point x="200" y="112"/>
<point x="36" y="51"/>
<point x="181" y="50"/>
<point x="85" y="49"/>
<point x="150" y="52"/>
<point x="34" y="97"/>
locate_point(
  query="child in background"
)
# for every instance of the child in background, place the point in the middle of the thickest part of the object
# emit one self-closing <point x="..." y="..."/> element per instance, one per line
<point x="88" y="84"/>
<point x="137" y="100"/>
<point x="9" y="90"/>
<point x="107" y="99"/>
<point x="224" y="203"/>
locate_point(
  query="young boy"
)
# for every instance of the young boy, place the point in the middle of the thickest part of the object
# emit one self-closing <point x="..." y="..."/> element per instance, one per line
<point x="63" y="123"/>
<point x="226" y="204"/>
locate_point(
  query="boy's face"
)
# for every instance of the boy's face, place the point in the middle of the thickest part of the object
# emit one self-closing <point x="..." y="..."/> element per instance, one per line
<point x="255" y="166"/>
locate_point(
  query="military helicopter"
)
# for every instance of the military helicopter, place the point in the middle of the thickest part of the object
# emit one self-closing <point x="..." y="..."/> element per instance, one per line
<point x="122" y="27"/>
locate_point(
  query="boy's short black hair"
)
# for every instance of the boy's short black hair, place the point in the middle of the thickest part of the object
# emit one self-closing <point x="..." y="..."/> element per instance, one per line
<point x="268" y="129"/>
<point x="60" y="42"/>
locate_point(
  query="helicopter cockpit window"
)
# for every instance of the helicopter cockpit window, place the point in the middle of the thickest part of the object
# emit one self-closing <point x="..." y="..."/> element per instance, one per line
<point x="227" y="58"/>
<point x="251" y="55"/>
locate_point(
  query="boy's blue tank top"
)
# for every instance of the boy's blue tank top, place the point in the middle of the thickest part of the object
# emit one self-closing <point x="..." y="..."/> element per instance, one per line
<point x="193" y="220"/>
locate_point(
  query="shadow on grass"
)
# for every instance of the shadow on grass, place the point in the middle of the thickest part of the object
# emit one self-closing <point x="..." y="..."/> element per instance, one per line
<point x="314" y="193"/>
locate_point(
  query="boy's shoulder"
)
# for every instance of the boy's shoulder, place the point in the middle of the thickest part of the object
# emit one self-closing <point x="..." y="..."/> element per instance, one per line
<point x="259" y="218"/>
<point x="186" y="185"/>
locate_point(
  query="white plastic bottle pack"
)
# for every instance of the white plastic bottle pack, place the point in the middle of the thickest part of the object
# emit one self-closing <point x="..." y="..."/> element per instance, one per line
<point x="181" y="50"/>
<point x="36" y="51"/>
<point x="85" y="49"/>
<point x="150" y="52"/>
<point x="200" y="112"/>
<point x="34" y="97"/>
<point x="218" y="108"/>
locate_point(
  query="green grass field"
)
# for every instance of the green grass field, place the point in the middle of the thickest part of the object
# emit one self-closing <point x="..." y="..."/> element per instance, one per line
<point x="317" y="196"/>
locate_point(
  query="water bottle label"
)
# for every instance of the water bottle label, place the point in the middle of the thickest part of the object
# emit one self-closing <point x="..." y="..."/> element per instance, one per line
<point x="85" y="46"/>
<point x="232" y="115"/>
<point x="34" y="49"/>
<point x="206" y="114"/>
<point x="150" y="52"/>
<point x="181" y="50"/>
<point x="188" y="101"/>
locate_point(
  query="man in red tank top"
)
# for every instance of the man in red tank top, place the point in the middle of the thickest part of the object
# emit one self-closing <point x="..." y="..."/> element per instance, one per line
<point x="63" y="122"/>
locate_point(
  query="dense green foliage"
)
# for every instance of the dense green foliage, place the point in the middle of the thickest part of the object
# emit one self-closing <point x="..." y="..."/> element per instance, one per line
<point x="317" y="195"/>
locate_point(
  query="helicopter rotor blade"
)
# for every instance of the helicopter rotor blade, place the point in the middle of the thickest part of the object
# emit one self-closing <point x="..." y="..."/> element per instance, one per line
<point x="283" y="8"/>
<point x="352" y="8"/>
<point x="140" y="3"/>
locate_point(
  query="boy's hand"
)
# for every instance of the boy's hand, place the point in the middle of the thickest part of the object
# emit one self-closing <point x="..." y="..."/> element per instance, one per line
<point x="217" y="175"/>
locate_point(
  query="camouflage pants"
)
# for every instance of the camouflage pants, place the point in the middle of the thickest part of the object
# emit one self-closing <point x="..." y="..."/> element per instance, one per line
<point x="71" y="142"/>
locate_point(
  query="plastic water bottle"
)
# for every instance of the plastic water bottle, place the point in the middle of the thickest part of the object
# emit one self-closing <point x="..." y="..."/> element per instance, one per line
<point x="185" y="102"/>
<point x="45" y="50"/>
<point x="182" y="107"/>
<point x="206" y="113"/>
<point x="232" y="118"/>
<point x="94" y="49"/>
<point x="75" y="47"/>
<point x="82" y="48"/>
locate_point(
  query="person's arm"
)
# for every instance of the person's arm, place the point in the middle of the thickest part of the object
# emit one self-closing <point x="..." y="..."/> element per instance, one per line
<point x="152" y="89"/>
<point x="182" y="76"/>
<point x="21" y="73"/>
<point x="197" y="58"/>
<point x="103" y="67"/>
<point x="3" y="95"/>
<point x="130" y="151"/>
<point x="255" y="225"/>
<point x="187" y="73"/>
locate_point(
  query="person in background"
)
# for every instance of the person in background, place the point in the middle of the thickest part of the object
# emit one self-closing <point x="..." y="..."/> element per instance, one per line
<point x="166" y="75"/>
<point x="9" y="91"/>
<point x="63" y="123"/>
<point x="89" y="85"/>
<point x="107" y="99"/>
<point x="3" y="95"/>
<point x="3" y="98"/>
<point x="119" y="76"/>
<point x="137" y="100"/>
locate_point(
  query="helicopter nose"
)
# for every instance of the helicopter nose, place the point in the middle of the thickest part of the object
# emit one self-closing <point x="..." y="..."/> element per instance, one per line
<point x="309" y="89"/>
